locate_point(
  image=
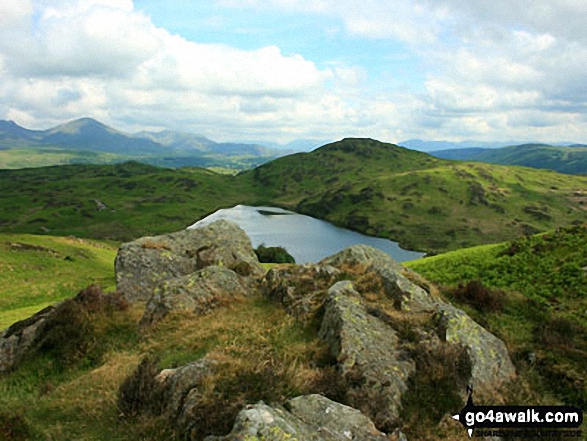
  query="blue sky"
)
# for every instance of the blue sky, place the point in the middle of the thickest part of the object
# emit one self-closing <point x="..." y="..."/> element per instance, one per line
<point x="278" y="70"/>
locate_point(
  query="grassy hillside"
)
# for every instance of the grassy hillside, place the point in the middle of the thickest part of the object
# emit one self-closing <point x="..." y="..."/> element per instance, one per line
<point x="423" y="202"/>
<point x="533" y="294"/>
<point x="118" y="202"/>
<point x="36" y="271"/>
<point x="24" y="157"/>
<point x="14" y="158"/>
<point x="572" y="160"/>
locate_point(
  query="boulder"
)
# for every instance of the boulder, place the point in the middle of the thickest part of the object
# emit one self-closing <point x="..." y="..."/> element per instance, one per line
<point x="177" y="384"/>
<point x="334" y="419"/>
<point x="406" y="296"/>
<point x="361" y="256"/>
<point x="17" y="339"/>
<point x="199" y="292"/>
<point x="368" y="354"/>
<point x="305" y="418"/>
<point x="490" y="362"/>
<point x="144" y="264"/>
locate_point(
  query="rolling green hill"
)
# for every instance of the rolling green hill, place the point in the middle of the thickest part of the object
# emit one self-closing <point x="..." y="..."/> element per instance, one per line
<point x="572" y="160"/>
<point x="425" y="203"/>
<point x="117" y="202"/>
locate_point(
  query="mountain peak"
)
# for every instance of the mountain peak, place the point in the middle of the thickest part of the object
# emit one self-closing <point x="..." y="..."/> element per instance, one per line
<point x="81" y="125"/>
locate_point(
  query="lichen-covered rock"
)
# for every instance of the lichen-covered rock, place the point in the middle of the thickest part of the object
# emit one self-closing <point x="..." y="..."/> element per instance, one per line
<point x="305" y="418"/>
<point x="368" y="353"/>
<point x="177" y="384"/>
<point x="490" y="362"/>
<point x="406" y="295"/>
<point x="366" y="259"/>
<point x="198" y="292"/>
<point x="17" y="339"/>
<point x="142" y="265"/>
<point x="334" y="419"/>
<point x="301" y="289"/>
<point x="362" y="256"/>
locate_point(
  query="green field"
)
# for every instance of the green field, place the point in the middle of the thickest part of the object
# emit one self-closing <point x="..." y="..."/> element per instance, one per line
<point x="37" y="271"/>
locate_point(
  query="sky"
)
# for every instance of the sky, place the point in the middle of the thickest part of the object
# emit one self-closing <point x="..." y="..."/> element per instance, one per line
<point x="279" y="70"/>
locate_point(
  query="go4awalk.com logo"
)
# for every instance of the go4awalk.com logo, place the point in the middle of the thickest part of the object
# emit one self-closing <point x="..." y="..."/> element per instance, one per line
<point x="520" y="421"/>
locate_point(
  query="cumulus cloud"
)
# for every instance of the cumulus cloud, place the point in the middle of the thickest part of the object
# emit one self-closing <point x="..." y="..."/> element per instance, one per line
<point x="101" y="58"/>
<point x="493" y="70"/>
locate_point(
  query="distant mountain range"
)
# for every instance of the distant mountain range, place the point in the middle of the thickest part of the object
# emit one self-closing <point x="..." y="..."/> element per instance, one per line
<point x="434" y="146"/>
<point x="88" y="140"/>
<point x="564" y="159"/>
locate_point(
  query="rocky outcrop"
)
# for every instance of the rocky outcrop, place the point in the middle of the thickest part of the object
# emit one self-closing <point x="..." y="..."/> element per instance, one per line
<point x="304" y="418"/>
<point x="362" y="257"/>
<point x="16" y="340"/>
<point x="368" y="352"/>
<point x="61" y="329"/>
<point x="144" y="265"/>
<point x="490" y="362"/>
<point x="301" y="289"/>
<point x="198" y="292"/>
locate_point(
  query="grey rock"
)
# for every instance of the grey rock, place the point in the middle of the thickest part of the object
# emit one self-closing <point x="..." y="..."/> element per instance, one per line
<point x="144" y="264"/>
<point x="405" y="294"/>
<point x="363" y="256"/>
<point x="301" y="289"/>
<point x="199" y="292"/>
<point x="490" y="362"/>
<point x="178" y="383"/>
<point x="305" y="418"/>
<point x="17" y="339"/>
<point x="334" y="419"/>
<point x="367" y="350"/>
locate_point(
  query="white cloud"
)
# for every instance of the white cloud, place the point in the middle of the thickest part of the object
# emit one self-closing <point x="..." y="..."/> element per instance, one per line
<point x="494" y="70"/>
<point x="103" y="59"/>
<point x="14" y="13"/>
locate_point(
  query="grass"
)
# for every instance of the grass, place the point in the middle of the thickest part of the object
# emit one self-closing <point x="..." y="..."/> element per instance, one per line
<point x="36" y="271"/>
<point x="250" y="340"/>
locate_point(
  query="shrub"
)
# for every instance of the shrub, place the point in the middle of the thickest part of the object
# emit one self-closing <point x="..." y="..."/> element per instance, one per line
<point x="480" y="297"/>
<point x="141" y="392"/>
<point x="273" y="255"/>
<point x="218" y="406"/>
<point x="438" y="384"/>
<point x="68" y="335"/>
<point x="13" y="426"/>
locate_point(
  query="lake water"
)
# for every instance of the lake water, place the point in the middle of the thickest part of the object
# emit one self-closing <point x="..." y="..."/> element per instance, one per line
<point x="307" y="239"/>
